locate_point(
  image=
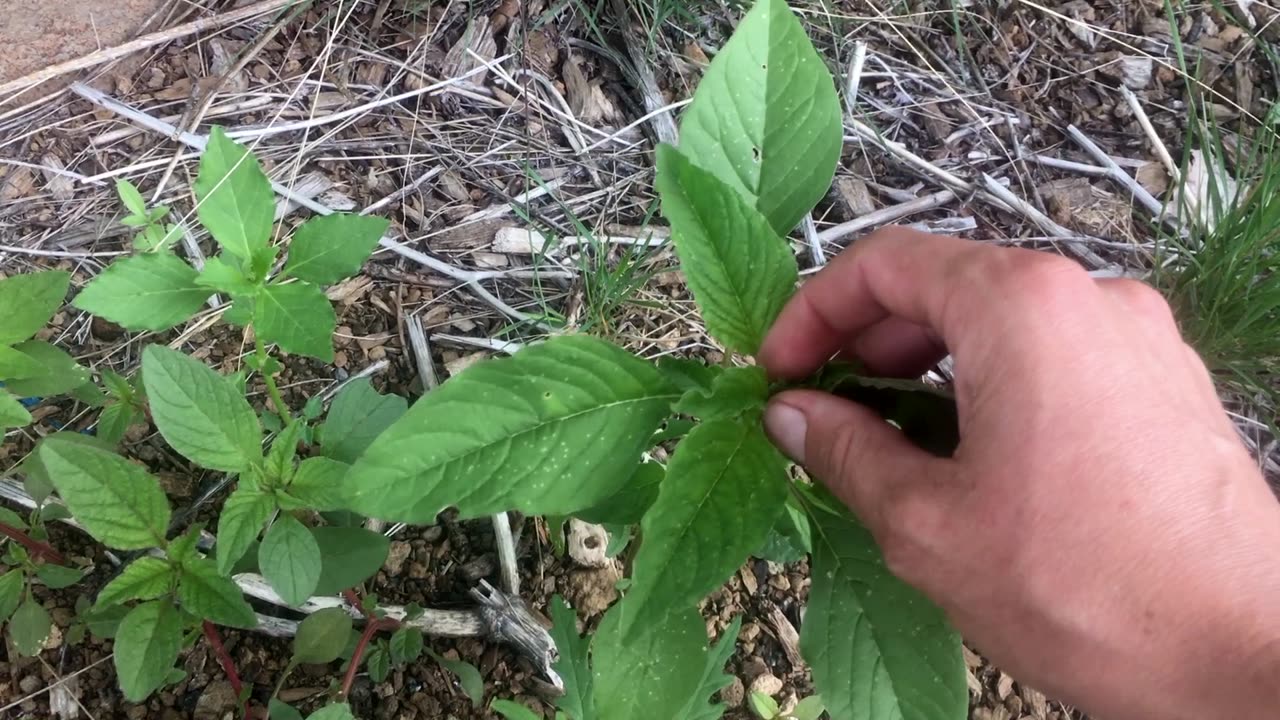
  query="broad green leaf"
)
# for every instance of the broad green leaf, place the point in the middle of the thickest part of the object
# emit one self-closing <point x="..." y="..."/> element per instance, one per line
<point x="378" y="662"/>
<point x="146" y="578"/>
<point x="762" y="705"/>
<point x="714" y="678"/>
<point x="319" y="484"/>
<point x="56" y="577"/>
<point x="468" y="677"/>
<point x="554" y="429"/>
<point x="15" y="365"/>
<point x="688" y="374"/>
<point x="739" y="271"/>
<point x="765" y="118"/>
<point x="240" y="314"/>
<point x="12" y="413"/>
<point x="283" y="451"/>
<point x="243" y="516"/>
<point x="131" y="198"/>
<point x="61" y="373"/>
<point x="788" y="539"/>
<point x="357" y="416"/>
<point x="27" y="302"/>
<point x="118" y="503"/>
<point x="406" y="645"/>
<point x="199" y="412"/>
<point x="36" y="480"/>
<point x="145" y="292"/>
<point x="297" y="317"/>
<point x="573" y="665"/>
<point x="650" y="675"/>
<point x="146" y="647"/>
<point x="734" y="391"/>
<point x="336" y="711"/>
<point x="210" y="596"/>
<point x="104" y="622"/>
<point x="29" y="627"/>
<point x="235" y="202"/>
<point x="89" y="394"/>
<point x="514" y="711"/>
<point x="290" y="560"/>
<point x="11" y="585"/>
<point x="330" y="248"/>
<point x="322" y="636"/>
<point x="350" y="555"/>
<point x="225" y="277"/>
<point x="277" y="710"/>
<point x="114" y="421"/>
<point x="877" y="647"/>
<point x="725" y="487"/>
<point x="630" y="503"/>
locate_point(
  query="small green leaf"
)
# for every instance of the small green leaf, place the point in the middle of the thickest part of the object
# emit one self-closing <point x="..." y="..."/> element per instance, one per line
<point x="156" y="237"/>
<point x="290" y="560"/>
<point x="554" y="429"/>
<point x="145" y="292"/>
<point x="810" y="708"/>
<point x="210" y="596"/>
<point x="199" y="412"/>
<point x="688" y="374"/>
<point x="297" y="317"/>
<point x="61" y="373"/>
<point x="146" y="578"/>
<point x="322" y="636"/>
<point x="876" y="646"/>
<point x="725" y="487"/>
<point x="146" y="647"/>
<point x="468" y="677"/>
<point x="236" y="204"/>
<point x="10" y="593"/>
<point x="788" y="541"/>
<point x="243" y="516"/>
<point x="357" y="416"/>
<point x="318" y="485"/>
<point x="739" y="271"/>
<point x="330" y="248"/>
<point x="406" y="645"/>
<point x="283" y="450"/>
<point x="15" y="365"/>
<point x="225" y="277"/>
<point x="29" y="627"/>
<point x="182" y="549"/>
<point x="29" y="301"/>
<point x="573" y="665"/>
<point x="763" y="706"/>
<point x="116" y="384"/>
<point x="629" y="505"/>
<point x="350" y="555"/>
<point x="651" y="675"/>
<point x="240" y="314"/>
<point x="515" y="711"/>
<point x="277" y="710"/>
<point x="12" y="413"/>
<point x="714" y="678"/>
<point x="766" y="119"/>
<point x="734" y="391"/>
<point x="378" y="662"/>
<point x="117" y="502"/>
<point x="89" y="394"/>
<point x="131" y="198"/>
<point x="56" y="577"/>
<point x="336" y="711"/>
<point x="114" y="421"/>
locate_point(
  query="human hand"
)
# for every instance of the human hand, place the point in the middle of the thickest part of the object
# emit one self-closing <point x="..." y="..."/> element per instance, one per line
<point x="1100" y="532"/>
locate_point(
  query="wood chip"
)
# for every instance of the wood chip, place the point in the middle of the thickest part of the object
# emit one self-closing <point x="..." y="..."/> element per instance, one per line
<point x="519" y="241"/>
<point x="857" y="199"/>
<point x="786" y="633"/>
<point x="1135" y="72"/>
<point x="477" y="39"/>
<point x="1004" y="686"/>
<point x="58" y="185"/>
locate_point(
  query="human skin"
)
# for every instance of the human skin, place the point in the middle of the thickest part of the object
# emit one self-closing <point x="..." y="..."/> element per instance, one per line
<point x="1100" y="532"/>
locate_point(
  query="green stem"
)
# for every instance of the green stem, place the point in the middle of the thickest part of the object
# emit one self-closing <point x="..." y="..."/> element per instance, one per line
<point x="260" y="349"/>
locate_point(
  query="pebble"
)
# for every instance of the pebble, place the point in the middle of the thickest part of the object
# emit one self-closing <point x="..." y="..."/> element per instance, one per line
<point x="396" y="556"/>
<point x="215" y="701"/>
<point x="30" y="684"/>
<point x="768" y="683"/>
<point x="734" y="694"/>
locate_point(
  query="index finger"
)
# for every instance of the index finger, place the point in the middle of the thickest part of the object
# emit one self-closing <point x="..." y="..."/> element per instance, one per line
<point x="920" y="277"/>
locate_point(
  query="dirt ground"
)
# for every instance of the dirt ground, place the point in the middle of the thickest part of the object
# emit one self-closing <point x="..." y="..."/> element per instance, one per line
<point x="555" y="137"/>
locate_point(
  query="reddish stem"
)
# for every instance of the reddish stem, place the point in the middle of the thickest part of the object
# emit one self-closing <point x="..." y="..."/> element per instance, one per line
<point x="372" y="625"/>
<point x="350" y="595"/>
<point x="228" y="665"/>
<point x="35" y="547"/>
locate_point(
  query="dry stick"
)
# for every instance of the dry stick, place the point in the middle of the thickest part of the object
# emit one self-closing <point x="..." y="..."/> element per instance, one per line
<point x="886" y="215"/>
<point x="142" y="43"/>
<point x="422" y="354"/>
<point x="1092" y="259"/>
<point x="470" y="277"/>
<point x="1156" y="143"/>
<point x="1072" y="166"/>
<point x="1116" y="173"/>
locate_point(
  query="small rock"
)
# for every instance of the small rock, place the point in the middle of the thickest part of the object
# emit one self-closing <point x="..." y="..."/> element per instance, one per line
<point x="768" y="684"/>
<point x="754" y="668"/>
<point x="1135" y="72"/>
<point x="750" y="631"/>
<point x="418" y="571"/>
<point x="999" y="712"/>
<point x="30" y="684"/>
<point x="748" y="580"/>
<point x="593" y="591"/>
<point x="396" y="556"/>
<point x="137" y="712"/>
<point x="734" y="694"/>
<point x="780" y="583"/>
<point x="1004" y="686"/>
<point x="217" y="700"/>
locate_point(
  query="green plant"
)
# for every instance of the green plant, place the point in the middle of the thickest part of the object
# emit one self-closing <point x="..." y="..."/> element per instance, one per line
<point x="766" y="708"/>
<point x="559" y="428"/>
<point x="154" y="234"/>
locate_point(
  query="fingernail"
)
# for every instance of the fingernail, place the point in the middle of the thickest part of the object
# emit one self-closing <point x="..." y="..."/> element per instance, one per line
<point x="787" y="426"/>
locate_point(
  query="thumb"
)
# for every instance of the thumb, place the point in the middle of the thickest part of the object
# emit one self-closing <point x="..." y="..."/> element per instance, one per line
<point x="861" y="458"/>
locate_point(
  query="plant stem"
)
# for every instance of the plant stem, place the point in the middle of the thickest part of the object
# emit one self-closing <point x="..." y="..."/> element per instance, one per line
<point x="369" y="629"/>
<point x="35" y="547"/>
<point x="260" y="349"/>
<point x="228" y="665"/>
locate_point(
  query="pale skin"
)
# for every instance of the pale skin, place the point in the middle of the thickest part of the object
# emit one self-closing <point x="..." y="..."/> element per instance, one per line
<point x="1101" y="532"/>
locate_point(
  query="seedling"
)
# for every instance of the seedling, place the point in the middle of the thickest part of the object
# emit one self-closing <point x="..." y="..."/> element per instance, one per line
<point x="766" y="708"/>
<point x="560" y="428"/>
